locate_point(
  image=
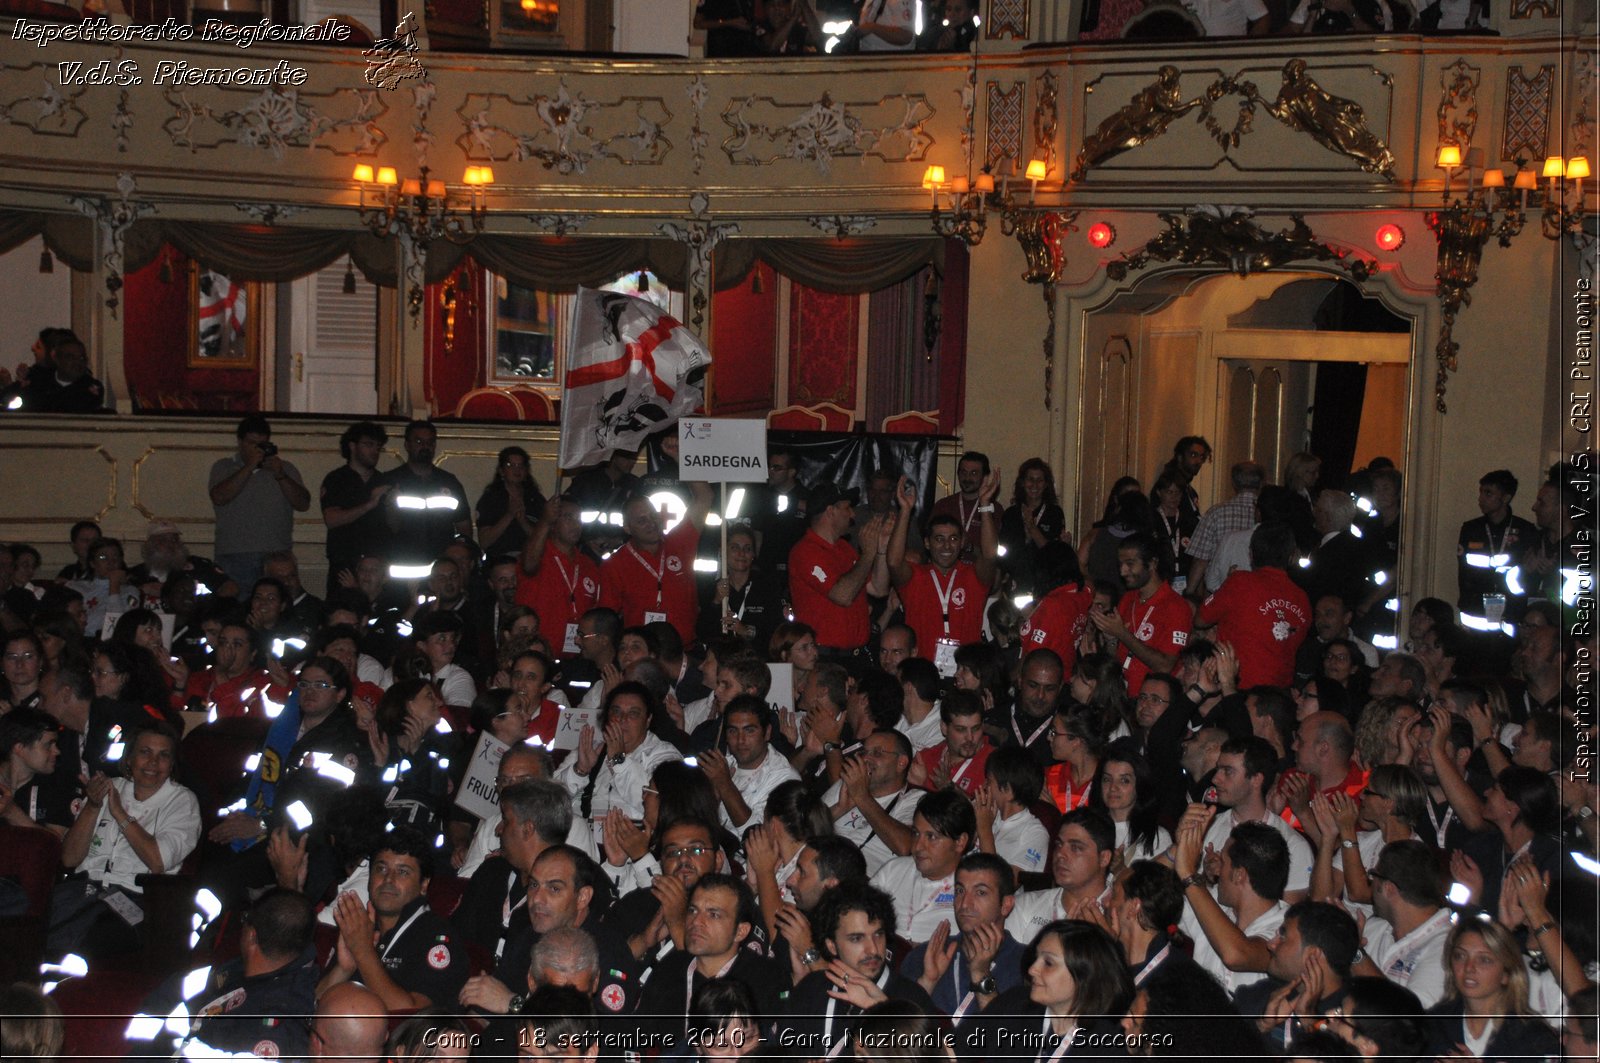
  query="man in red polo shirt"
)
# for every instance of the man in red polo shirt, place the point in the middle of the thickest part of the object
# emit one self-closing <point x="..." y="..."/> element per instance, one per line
<point x="944" y="600"/>
<point x="828" y="580"/>
<point x="1059" y="619"/>
<point x="961" y="760"/>
<point x="1152" y="622"/>
<point x="233" y="685"/>
<point x="558" y="581"/>
<point x="651" y="576"/>
<point x="1261" y="613"/>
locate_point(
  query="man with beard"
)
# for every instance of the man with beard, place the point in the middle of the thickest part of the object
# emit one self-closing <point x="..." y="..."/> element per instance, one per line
<point x="971" y="470"/>
<point x="719" y="919"/>
<point x="752" y="769"/>
<point x="417" y="959"/>
<point x="1035" y="707"/>
<point x="427" y="506"/>
<point x="823" y="1010"/>
<point x="1085" y="844"/>
<point x="165" y="553"/>
<point x="963" y="972"/>
<point x="1151" y="623"/>
<point x="962" y="759"/>
<point x="1189" y="456"/>
<point x="557" y="580"/>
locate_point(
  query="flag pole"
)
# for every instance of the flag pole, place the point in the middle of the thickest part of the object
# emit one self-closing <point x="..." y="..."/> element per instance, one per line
<point x="727" y="599"/>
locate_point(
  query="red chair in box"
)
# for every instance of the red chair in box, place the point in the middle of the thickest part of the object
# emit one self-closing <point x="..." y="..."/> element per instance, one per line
<point x="488" y="404"/>
<point x="30" y="856"/>
<point x="912" y="423"/>
<point x="535" y="404"/>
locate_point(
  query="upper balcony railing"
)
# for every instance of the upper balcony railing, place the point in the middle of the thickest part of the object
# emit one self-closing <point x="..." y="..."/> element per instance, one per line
<point x="212" y="130"/>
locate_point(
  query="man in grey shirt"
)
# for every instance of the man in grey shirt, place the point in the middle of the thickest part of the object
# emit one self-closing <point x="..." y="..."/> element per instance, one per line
<point x="255" y="494"/>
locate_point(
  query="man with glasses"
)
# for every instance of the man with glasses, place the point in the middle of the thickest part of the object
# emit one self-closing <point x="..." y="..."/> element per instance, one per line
<point x="1330" y="622"/>
<point x="872" y="803"/>
<point x="107" y="588"/>
<point x="971" y="470"/>
<point x="651" y="918"/>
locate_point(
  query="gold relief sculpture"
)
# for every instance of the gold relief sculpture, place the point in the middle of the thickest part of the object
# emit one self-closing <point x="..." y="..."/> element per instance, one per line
<point x="1206" y="236"/>
<point x="1458" y="103"/>
<point x="1045" y="117"/>
<point x="1462" y="233"/>
<point x="1040" y="233"/>
<point x="1334" y="122"/>
<point x="1147" y="115"/>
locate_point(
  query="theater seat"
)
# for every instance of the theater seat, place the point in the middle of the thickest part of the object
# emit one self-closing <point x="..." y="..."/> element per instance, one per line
<point x="30" y="856"/>
<point x="211" y="761"/>
<point x="488" y="404"/>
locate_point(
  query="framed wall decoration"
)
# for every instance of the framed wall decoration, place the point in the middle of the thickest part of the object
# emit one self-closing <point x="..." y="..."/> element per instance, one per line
<point x="224" y="320"/>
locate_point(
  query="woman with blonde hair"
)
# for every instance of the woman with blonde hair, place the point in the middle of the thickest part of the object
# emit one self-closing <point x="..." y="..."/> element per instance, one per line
<point x="1485" y="1013"/>
<point x="33" y="1028"/>
<point x="1384" y="732"/>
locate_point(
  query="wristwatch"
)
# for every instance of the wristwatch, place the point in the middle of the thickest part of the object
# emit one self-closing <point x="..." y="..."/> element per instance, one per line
<point x="829" y="747"/>
<point x="810" y="956"/>
<point x="1347" y="843"/>
<point x="985" y="509"/>
<point x="1196" y="879"/>
<point x="988" y="987"/>
<point x="517" y="1001"/>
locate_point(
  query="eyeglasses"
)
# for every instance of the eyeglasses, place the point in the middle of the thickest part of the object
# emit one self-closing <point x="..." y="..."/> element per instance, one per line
<point x="102" y="673"/>
<point x="1155" y="698"/>
<point x="314" y="684"/>
<point x="695" y="851"/>
<point x="627" y="714"/>
<point x="21" y="656"/>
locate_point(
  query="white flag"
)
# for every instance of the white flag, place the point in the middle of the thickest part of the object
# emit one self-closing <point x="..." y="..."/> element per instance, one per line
<point x="634" y="371"/>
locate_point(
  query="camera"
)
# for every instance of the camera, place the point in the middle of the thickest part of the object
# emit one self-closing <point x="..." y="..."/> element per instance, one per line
<point x="268" y="449"/>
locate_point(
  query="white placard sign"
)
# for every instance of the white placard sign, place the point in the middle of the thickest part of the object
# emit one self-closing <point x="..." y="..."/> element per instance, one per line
<point x="573" y="721"/>
<point x="477" y="794"/>
<point x="781" y="694"/>
<point x="725" y="450"/>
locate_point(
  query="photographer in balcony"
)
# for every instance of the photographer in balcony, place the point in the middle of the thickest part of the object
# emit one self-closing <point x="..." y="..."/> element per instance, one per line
<point x="255" y="495"/>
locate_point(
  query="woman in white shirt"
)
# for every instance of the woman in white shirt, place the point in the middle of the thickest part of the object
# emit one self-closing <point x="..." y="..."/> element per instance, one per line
<point x="1125" y="790"/>
<point x="139" y="824"/>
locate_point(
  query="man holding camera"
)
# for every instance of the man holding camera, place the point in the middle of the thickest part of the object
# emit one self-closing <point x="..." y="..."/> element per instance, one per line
<point x="255" y="495"/>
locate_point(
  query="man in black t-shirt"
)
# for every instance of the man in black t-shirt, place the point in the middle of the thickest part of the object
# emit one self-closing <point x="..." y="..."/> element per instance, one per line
<point x="352" y="500"/>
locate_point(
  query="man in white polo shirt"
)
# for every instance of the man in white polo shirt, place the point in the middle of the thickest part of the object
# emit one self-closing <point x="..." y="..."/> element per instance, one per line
<point x="872" y="804"/>
<point x="751" y="770"/>
<point x="1405" y="940"/>
<point x="1246" y="770"/>
<point x="1087" y="840"/>
<point x="923" y="884"/>
<point x="1232" y="926"/>
<point x="1006" y="826"/>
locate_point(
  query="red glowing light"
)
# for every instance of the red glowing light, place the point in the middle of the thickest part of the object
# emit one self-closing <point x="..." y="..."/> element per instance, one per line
<point x="1390" y="237"/>
<point x="1101" y="235"/>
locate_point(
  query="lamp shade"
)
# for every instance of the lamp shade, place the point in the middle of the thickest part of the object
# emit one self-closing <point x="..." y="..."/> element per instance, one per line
<point x="1037" y="170"/>
<point x="1554" y="166"/>
<point x="1494" y="178"/>
<point x="387" y="176"/>
<point x="984" y="182"/>
<point x="1577" y="167"/>
<point x="1449" y="156"/>
<point x="486" y="175"/>
<point x="411" y="187"/>
<point x="933" y="177"/>
<point x="960" y="186"/>
<point x="363" y="173"/>
<point x="1526" y="180"/>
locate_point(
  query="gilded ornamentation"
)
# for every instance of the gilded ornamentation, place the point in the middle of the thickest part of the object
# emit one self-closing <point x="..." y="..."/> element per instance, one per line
<point x="560" y="224"/>
<point x="1462" y="233"/>
<point x="422" y="96"/>
<point x="1581" y="138"/>
<point x="1005" y="127"/>
<point x="1040" y="232"/>
<point x="1304" y="106"/>
<point x="49" y="110"/>
<point x="1046" y="119"/>
<point x="842" y="225"/>
<point x="1227" y="237"/>
<point x="1527" y="115"/>
<point x="1146" y="116"/>
<point x="1334" y="122"/>
<point x="573" y="131"/>
<point x="1535" y="8"/>
<point x="698" y="92"/>
<point x="276" y="119"/>
<point x="1007" y="18"/>
<point x="1049" y="343"/>
<point x="701" y="236"/>
<point x="968" y="95"/>
<point x="122" y="122"/>
<point x="269" y="213"/>
<point x="826" y="130"/>
<point x="1458" y="103"/>
<point x="115" y="217"/>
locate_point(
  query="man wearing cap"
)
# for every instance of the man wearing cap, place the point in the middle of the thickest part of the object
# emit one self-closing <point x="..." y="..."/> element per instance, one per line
<point x="164" y="553"/>
<point x="828" y="580"/>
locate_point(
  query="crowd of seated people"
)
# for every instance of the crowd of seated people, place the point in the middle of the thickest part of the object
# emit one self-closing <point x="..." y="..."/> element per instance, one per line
<point x="932" y="775"/>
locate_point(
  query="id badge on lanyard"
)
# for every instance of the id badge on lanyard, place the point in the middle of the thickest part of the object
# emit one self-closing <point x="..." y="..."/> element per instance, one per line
<point x="569" y="643"/>
<point x="944" y="657"/>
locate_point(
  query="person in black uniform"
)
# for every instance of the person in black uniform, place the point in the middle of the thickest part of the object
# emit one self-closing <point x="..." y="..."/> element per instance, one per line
<point x="854" y="925"/>
<point x="1490" y="544"/>
<point x="259" y="995"/>
<point x="718" y="925"/>
<point x="420" y="532"/>
<point x="352" y="500"/>
<point x="418" y="959"/>
<point x="755" y="599"/>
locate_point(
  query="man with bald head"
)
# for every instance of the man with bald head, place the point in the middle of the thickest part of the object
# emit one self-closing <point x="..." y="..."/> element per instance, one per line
<point x="1542" y="665"/>
<point x="1322" y="751"/>
<point x="351" y="1025"/>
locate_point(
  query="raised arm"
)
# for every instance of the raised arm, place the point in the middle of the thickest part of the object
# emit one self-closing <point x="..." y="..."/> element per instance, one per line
<point x="900" y="570"/>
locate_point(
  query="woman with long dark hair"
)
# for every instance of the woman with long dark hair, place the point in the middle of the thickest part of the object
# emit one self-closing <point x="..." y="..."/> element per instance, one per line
<point x="1096" y="685"/>
<point x="754" y="599"/>
<point x="510" y="505"/>
<point x="1174" y="523"/>
<point x="1125" y="789"/>
<point x="1033" y="519"/>
<point x="1127" y="512"/>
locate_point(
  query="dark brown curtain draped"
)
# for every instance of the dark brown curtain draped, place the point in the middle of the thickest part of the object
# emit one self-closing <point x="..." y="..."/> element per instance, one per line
<point x="69" y="238"/>
<point x="561" y="264"/>
<point x="843" y="267"/>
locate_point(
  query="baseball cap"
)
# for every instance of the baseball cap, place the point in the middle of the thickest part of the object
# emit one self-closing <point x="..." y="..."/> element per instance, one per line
<point x="827" y="494"/>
